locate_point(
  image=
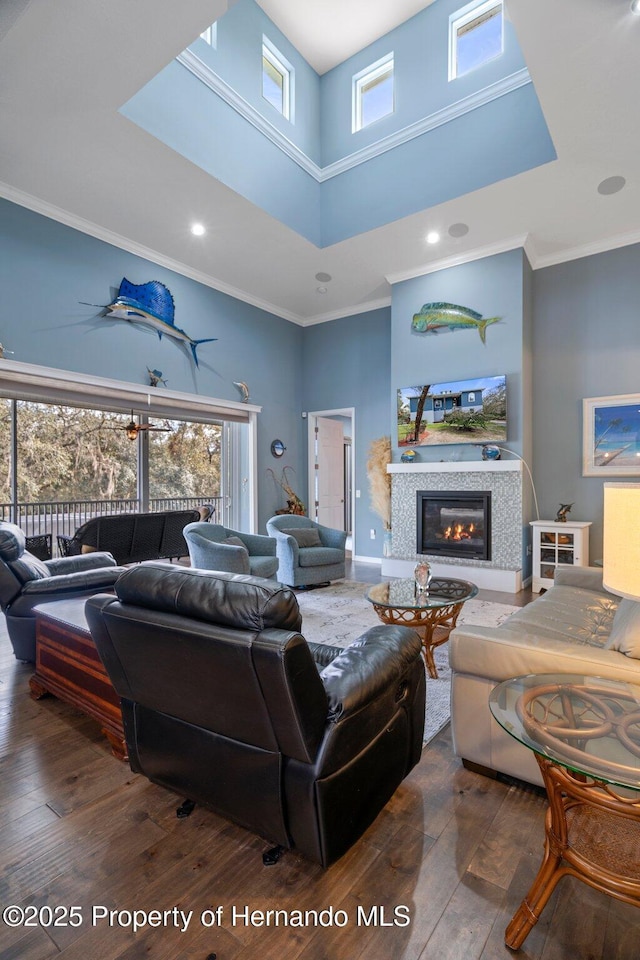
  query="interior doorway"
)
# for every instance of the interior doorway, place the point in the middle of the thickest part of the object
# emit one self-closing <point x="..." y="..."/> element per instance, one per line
<point x="331" y="446"/>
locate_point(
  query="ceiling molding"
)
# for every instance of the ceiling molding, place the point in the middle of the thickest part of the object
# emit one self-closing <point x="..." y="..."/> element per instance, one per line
<point x="139" y="250"/>
<point x="352" y="311"/>
<point x="206" y="75"/>
<point x="437" y="119"/>
<point x="526" y="241"/>
<point x="585" y="250"/>
<point x="215" y="83"/>
<point x="490" y="250"/>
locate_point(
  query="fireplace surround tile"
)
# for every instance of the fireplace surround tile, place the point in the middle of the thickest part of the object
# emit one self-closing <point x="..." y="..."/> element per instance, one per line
<point x="503" y="479"/>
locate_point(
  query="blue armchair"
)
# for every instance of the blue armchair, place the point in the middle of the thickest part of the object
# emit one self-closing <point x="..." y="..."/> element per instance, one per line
<point x="212" y="547"/>
<point x="309" y="553"/>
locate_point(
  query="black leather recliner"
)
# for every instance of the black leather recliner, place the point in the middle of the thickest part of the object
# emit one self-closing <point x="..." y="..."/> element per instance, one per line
<point x="224" y="703"/>
<point x="26" y="581"/>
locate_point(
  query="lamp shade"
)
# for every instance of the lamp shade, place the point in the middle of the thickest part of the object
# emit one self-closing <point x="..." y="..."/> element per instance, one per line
<point x="621" y="544"/>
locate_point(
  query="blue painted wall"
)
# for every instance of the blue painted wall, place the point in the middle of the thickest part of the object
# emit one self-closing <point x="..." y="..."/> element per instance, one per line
<point x="493" y="287"/>
<point x="586" y="343"/>
<point x="578" y="338"/>
<point x="489" y="144"/>
<point x="346" y="364"/>
<point x="492" y="142"/>
<point x="179" y="110"/>
<point x="46" y="268"/>
<point x="420" y="47"/>
<point x="238" y="60"/>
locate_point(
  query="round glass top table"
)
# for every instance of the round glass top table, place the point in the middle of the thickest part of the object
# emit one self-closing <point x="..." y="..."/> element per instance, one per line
<point x="432" y="612"/>
<point x="585" y="732"/>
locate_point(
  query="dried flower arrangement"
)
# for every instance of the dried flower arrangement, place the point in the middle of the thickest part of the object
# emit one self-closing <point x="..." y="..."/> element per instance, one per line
<point x="294" y="503"/>
<point x="379" y="479"/>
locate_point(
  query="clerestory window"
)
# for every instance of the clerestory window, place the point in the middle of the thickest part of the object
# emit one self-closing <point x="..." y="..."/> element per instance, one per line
<point x="373" y="94"/>
<point x="476" y="35"/>
<point x="210" y="35"/>
<point x="277" y="80"/>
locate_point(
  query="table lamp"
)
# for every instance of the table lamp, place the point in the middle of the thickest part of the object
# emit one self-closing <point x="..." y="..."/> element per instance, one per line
<point x="621" y="543"/>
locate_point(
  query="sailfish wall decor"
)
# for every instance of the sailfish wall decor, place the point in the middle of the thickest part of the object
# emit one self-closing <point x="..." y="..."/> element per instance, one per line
<point x="151" y="304"/>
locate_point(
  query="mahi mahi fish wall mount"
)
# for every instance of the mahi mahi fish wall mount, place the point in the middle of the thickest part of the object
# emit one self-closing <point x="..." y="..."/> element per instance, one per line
<point x="150" y="304"/>
<point x="449" y="316"/>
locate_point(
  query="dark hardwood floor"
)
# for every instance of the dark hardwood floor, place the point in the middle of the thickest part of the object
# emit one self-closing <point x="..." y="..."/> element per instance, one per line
<point x="453" y="852"/>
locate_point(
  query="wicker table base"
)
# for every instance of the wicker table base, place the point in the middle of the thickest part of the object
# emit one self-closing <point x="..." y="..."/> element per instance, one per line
<point x="591" y="833"/>
<point x="434" y="626"/>
<point x="432" y="613"/>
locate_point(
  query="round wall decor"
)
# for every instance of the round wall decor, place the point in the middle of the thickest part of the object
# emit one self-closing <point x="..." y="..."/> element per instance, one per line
<point x="277" y="448"/>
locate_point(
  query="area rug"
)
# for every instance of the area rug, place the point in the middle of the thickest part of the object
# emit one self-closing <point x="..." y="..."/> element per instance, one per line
<point x="340" y="613"/>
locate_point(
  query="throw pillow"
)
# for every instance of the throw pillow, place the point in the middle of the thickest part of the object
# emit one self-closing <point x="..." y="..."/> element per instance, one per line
<point x="306" y="536"/>
<point x="625" y="631"/>
<point x="234" y="542"/>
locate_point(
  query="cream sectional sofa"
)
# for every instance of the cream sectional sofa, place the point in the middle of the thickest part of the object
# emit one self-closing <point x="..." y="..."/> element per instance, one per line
<point x="575" y="627"/>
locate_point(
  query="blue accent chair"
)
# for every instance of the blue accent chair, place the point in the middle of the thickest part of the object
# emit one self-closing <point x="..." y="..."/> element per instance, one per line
<point x="309" y="553"/>
<point x="210" y="549"/>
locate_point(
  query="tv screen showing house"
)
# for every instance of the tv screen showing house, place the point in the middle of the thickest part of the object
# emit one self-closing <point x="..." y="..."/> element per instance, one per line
<point x="461" y="411"/>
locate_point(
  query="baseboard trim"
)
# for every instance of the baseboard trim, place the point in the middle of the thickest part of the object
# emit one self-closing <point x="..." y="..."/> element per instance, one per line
<point x="359" y="559"/>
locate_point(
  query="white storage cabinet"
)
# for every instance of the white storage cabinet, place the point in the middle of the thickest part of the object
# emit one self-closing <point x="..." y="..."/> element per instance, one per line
<point x="557" y="543"/>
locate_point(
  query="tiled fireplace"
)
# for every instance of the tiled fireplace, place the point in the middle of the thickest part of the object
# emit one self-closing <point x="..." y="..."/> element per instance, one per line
<point x="469" y="517"/>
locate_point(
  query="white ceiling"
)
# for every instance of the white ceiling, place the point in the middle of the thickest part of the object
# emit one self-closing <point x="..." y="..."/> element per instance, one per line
<point x="326" y="32"/>
<point x="66" y="67"/>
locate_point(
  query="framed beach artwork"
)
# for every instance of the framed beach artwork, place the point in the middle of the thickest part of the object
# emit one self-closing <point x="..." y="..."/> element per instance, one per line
<point x="611" y="436"/>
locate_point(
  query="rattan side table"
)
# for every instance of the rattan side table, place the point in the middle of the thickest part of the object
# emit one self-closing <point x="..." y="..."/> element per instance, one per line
<point x="585" y="732"/>
<point x="433" y="612"/>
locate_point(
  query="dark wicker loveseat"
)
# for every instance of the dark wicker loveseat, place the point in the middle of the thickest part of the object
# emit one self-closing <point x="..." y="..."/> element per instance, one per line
<point x="132" y="537"/>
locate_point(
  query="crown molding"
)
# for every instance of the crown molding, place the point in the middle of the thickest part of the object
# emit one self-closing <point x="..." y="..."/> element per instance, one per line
<point x="214" y="82"/>
<point x="206" y="75"/>
<point x="526" y="242"/>
<point x="139" y="250"/>
<point x="490" y="250"/>
<point x="584" y="250"/>
<point x="431" y="122"/>
<point x="352" y="311"/>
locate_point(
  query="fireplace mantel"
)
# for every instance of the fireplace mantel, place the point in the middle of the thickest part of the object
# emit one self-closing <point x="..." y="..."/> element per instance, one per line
<point x="460" y="466"/>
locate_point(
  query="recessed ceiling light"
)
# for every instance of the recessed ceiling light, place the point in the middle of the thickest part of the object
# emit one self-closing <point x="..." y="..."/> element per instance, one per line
<point x="198" y="230"/>
<point x="635" y="6"/>
<point x="458" y="230"/>
<point x="323" y="277"/>
<point x="611" y="185"/>
<point x="433" y="236"/>
<point x="321" y="289"/>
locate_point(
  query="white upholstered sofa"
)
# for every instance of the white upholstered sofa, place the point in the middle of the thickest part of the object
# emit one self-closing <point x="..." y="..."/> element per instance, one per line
<point x="575" y="627"/>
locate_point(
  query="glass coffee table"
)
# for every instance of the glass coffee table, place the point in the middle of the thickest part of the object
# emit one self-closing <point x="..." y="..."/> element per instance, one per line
<point x="585" y="732"/>
<point x="432" y="612"/>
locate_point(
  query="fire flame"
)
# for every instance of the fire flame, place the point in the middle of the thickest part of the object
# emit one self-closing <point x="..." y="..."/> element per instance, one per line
<point x="458" y="531"/>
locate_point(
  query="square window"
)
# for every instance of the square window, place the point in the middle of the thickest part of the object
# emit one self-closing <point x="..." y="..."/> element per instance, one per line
<point x="373" y="95"/>
<point x="476" y="35"/>
<point x="277" y="80"/>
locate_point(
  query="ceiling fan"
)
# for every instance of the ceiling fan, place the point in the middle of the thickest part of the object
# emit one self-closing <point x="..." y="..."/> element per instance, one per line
<point x="133" y="429"/>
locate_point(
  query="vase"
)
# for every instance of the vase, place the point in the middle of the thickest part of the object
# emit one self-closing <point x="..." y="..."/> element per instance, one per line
<point x="386" y="543"/>
<point x="422" y="575"/>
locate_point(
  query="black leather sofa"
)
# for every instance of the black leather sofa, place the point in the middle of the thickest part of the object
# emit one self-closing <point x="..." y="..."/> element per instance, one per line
<point x="224" y="702"/>
<point x="26" y="581"/>
<point x="132" y="537"/>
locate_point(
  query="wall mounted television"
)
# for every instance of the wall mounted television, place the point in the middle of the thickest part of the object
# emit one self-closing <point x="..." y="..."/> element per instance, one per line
<point x="460" y="411"/>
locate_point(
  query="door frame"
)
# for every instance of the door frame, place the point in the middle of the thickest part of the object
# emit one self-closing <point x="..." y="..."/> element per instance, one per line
<point x="312" y="418"/>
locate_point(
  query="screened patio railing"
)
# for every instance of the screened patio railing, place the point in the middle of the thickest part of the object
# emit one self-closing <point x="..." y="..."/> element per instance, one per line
<point x="65" y="516"/>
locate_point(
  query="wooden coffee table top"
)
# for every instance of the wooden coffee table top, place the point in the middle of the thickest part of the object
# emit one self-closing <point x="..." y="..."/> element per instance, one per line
<point x="69" y="611"/>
